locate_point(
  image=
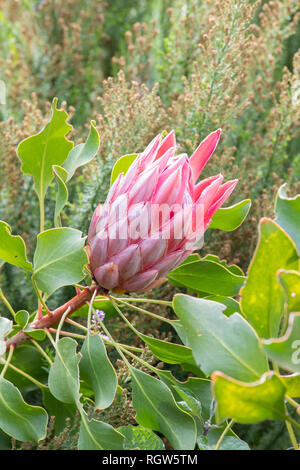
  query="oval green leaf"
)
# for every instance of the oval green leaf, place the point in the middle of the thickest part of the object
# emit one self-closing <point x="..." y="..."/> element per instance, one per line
<point x="157" y="410"/>
<point x="82" y="153"/>
<point x="208" y="277"/>
<point x="18" y="419"/>
<point x="64" y="373"/>
<point x="121" y="166"/>
<point x="59" y="259"/>
<point x="97" y="371"/>
<point x="227" y="344"/>
<point x="230" y="218"/>
<point x="263" y="299"/>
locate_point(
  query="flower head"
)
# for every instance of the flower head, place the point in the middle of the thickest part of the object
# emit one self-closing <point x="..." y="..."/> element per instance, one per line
<point x="154" y="215"/>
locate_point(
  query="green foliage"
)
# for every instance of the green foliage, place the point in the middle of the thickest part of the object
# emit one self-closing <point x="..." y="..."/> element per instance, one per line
<point x="64" y="373"/>
<point x="156" y="409"/>
<point x="230" y="218"/>
<point x="207" y="276"/>
<point x="290" y="281"/>
<point x="97" y="371"/>
<point x="96" y="435"/>
<point x="12" y="248"/>
<point x="262" y="297"/>
<point x="286" y="349"/>
<point x="168" y="352"/>
<point x="18" y="419"/>
<point x="121" y="166"/>
<point x="82" y="153"/>
<point x="139" y="438"/>
<point x="50" y="147"/>
<point x="59" y="259"/>
<point x="209" y="334"/>
<point x="288" y="214"/>
<point x="249" y="403"/>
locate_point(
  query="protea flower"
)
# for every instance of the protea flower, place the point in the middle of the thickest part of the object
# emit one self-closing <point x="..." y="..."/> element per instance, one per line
<point x="130" y="253"/>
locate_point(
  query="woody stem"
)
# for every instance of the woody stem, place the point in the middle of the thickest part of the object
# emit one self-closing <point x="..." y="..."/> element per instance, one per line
<point x="52" y="318"/>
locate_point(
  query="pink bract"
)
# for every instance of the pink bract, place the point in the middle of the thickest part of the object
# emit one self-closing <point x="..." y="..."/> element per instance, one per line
<point x="128" y="252"/>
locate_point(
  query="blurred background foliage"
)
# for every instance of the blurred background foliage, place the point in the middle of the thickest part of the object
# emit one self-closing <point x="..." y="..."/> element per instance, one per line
<point x="138" y="67"/>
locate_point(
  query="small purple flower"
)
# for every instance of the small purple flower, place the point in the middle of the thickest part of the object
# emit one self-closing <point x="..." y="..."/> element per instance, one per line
<point x="104" y="337"/>
<point x="99" y="316"/>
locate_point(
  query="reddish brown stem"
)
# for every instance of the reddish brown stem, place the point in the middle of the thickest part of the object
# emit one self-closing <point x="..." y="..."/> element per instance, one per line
<point x="52" y="318"/>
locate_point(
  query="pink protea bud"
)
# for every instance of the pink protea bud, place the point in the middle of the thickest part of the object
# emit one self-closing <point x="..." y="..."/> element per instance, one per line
<point x="154" y="215"/>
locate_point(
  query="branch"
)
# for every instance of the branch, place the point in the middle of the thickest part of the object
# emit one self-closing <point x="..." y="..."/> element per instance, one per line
<point x="52" y="318"/>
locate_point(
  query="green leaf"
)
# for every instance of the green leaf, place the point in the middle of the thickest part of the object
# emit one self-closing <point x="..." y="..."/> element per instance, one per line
<point x="210" y="439"/>
<point x="207" y="276"/>
<point x="193" y="390"/>
<point x="12" y="248"/>
<point x="290" y="281"/>
<point x="96" y="435"/>
<point x="157" y="410"/>
<point x="5" y="441"/>
<point x="192" y="402"/>
<point x="288" y="214"/>
<point x="18" y="419"/>
<point x="233" y="268"/>
<point x="82" y="153"/>
<point x="61" y="411"/>
<point x="249" y="402"/>
<point x="214" y="345"/>
<point x="59" y="259"/>
<point x="27" y="358"/>
<point x="97" y="371"/>
<point x="64" y="373"/>
<point x="140" y="438"/>
<point x="191" y="258"/>
<point x="233" y="443"/>
<point x="22" y="318"/>
<point x="230" y="218"/>
<point x="37" y="334"/>
<point x="285" y="351"/>
<point x="231" y="304"/>
<point x="121" y="166"/>
<point x="262" y="300"/>
<point x="170" y="353"/>
<point x="47" y="148"/>
<point x="61" y="192"/>
<point x="292" y="384"/>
